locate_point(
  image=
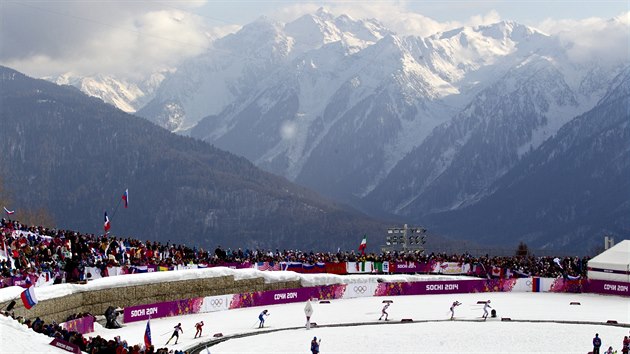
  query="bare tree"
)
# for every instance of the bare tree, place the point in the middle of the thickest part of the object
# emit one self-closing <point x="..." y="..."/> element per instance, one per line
<point x="522" y="250"/>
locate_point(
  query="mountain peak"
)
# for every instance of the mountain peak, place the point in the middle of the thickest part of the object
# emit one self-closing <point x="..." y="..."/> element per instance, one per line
<point x="501" y="31"/>
<point x="619" y="88"/>
<point x="506" y="30"/>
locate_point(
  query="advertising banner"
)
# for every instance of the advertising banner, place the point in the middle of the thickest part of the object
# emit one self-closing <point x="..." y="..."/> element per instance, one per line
<point x="561" y="285"/>
<point x="5" y="282"/>
<point x="452" y="268"/>
<point x="274" y="297"/>
<point x="162" y="309"/>
<point x="607" y="287"/>
<point x="444" y="287"/>
<point x="410" y="267"/>
<point x="355" y="290"/>
<point x="82" y="325"/>
<point x="215" y="303"/>
<point x="64" y="345"/>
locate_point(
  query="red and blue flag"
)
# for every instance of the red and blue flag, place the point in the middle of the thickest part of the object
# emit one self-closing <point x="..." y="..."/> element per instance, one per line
<point x="28" y="297"/>
<point x="536" y="285"/>
<point x="147" y="336"/>
<point x="106" y="224"/>
<point x="125" y="197"/>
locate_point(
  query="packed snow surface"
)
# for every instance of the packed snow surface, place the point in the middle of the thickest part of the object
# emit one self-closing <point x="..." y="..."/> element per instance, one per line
<point x="439" y="335"/>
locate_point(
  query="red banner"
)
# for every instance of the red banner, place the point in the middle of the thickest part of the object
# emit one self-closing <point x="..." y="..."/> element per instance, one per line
<point x="336" y="268"/>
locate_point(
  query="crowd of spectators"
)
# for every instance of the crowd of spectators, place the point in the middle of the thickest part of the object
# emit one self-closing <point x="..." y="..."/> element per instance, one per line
<point x="65" y="254"/>
<point x="92" y="345"/>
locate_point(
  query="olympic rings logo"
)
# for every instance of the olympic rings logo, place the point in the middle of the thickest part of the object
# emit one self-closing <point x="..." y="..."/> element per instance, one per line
<point x="360" y="289"/>
<point x="216" y="302"/>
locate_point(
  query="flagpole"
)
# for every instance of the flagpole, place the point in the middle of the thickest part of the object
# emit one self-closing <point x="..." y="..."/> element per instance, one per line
<point x="115" y="210"/>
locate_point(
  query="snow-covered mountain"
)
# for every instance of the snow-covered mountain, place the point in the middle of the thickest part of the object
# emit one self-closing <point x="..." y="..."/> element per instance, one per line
<point x="127" y="95"/>
<point x="456" y="165"/>
<point x="568" y="193"/>
<point x="237" y="64"/>
<point x="337" y="111"/>
<point x="393" y="124"/>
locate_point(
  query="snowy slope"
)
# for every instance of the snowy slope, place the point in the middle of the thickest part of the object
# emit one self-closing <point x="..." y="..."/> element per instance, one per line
<point x="17" y="338"/>
<point x="127" y="95"/>
<point x="572" y="186"/>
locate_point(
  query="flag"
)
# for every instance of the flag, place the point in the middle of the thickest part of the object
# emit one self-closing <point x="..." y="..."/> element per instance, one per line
<point x="7" y="254"/>
<point x="9" y="212"/>
<point x="28" y="297"/>
<point x="273" y="266"/>
<point x="497" y="271"/>
<point x="363" y="244"/>
<point x="125" y="197"/>
<point x="106" y="224"/>
<point x="147" y="335"/>
<point x="139" y="269"/>
<point x="536" y="285"/>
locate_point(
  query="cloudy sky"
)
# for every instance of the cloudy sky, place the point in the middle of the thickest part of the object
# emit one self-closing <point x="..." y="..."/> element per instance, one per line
<point x="136" y="37"/>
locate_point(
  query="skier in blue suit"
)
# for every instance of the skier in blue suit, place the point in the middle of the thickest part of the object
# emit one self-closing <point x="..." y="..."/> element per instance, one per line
<point x="261" y="318"/>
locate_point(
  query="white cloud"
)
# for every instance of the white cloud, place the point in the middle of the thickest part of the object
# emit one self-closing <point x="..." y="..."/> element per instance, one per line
<point x="127" y="38"/>
<point x="489" y="18"/>
<point x="112" y="37"/>
<point x="606" y="41"/>
<point x="395" y="15"/>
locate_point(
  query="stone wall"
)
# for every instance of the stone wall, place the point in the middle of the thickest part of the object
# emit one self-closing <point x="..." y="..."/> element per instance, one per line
<point x="96" y="302"/>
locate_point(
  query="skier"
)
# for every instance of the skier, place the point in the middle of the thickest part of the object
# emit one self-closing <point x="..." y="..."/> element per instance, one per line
<point x="199" y="327"/>
<point x="453" y="306"/>
<point x="315" y="345"/>
<point x="486" y="306"/>
<point x="610" y="351"/>
<point x="626" y="345"/>
<point x="308" y="311"/>
<point x="178" y="329"/>
<point x="597" y="342"/>
<point x="261" y="318"/>
<point x="384" y="312"/>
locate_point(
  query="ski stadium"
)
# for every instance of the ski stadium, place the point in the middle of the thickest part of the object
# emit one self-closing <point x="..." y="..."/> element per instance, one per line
<point x="531" y="314"/>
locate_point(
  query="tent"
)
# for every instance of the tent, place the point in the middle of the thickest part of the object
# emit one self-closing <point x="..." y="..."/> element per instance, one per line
<point x="612" y="264"/>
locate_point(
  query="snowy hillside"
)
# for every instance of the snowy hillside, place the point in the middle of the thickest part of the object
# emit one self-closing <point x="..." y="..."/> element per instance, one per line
<point x="127" y="95"/>
<point x="572" y="187"/>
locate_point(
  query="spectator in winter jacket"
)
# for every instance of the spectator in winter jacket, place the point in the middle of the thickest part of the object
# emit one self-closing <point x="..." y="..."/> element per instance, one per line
<point x="597" y="342"/>
<point x="315" y="345"/>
